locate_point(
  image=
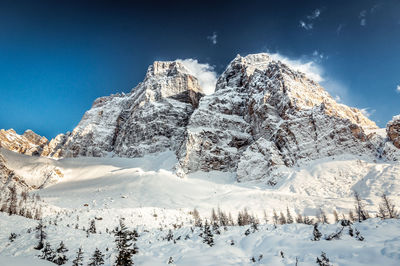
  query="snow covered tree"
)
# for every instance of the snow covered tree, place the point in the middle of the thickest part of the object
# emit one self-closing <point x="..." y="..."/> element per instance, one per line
<point x="97" y="258"/>
<point x="275" y="217"/>
<point x="282" y="218"/>
<point x="265" y="217"/>
<point x="289" y="217"/>
<point x="230" y="220"/>
<point x="299" y="219"/>
<point x="223" y="218"/>
<point x="92" y="227"/>
<point x="40" y="234"/>
<point x="214" y="217"/>
<point x="78" y="261"/>
<point x="208" y="235"/>
<point x="316" y="233"/>
<point x="323" y="261"/>
<point x="169" y="236"/>
<point x="322" y="218"/>
<point x="196" y="217"/>
<point x="123" y="241"/>
<point x="243" y="218"/>
<point x="336" y="216"/>
<point x="12" y="237"/>
<point x="38" y="213"/>
<point x="387" y="209"/>
<point x="351" y="216"/>
<point x="12" y="209"/>
<point x="47" y="253"/>
<point x="60" y="257"/>
<point x="361" y="213"/>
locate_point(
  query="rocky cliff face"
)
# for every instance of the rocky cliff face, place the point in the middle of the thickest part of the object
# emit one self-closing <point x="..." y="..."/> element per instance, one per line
<point x="263" y="115"/>
<point x="28" y="143"/>
<point x="393" y="131"/>
<point x="152" y="118"/>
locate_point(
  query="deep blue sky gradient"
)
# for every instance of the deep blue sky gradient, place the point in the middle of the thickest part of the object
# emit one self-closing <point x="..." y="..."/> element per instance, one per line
<point x="56" y="57"/>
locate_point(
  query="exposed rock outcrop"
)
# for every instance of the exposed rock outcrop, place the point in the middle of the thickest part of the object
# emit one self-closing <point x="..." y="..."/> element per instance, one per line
<point x="393" y="131"/>
<point x="28" y="143"/>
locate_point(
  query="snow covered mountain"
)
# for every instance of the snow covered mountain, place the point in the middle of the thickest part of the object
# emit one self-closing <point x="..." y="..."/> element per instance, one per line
<point x="151" y="118"/>
<point x="269" y="140"/>
<point x="263" y="118"/>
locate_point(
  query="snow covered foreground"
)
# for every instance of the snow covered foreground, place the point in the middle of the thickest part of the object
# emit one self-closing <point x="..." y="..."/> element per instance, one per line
<point x="146" y="192"/>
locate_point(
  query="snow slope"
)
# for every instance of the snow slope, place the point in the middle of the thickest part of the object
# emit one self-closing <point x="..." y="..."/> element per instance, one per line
<point x="148" y="194"/>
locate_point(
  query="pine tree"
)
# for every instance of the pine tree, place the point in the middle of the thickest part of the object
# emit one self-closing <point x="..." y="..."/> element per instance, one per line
<point x="47" y="253"/>
<point x="78" y="261"/>
<point x="316" y="233"/>
<point x="60" y="257"/>
<point x="169" y="236"/>
<point x="265" y="217"/>
<point x="336" y="215"/>
<point x="322" y="218"/>
<point x="275" y="217"/>
<point x="12" y="209"/>
<point x="351" y="216"/>
<point x="92" y="227"/>
<point x="208" y="235"/>
<point x="197" y="219"/>
<point x="97" y="258"/>
<point x="40" y="234"/>
<point x="214" y="217"/>
<point x="387" y="209"/>
<point x="299" y="219"/>
<point x="223" y="218"/>
<point x="282" y="218"/>
<point x="123" y="241"/>
<point x="323" y="261"/>
<point x="289" y="218"/>
<point x="361" y="213"/>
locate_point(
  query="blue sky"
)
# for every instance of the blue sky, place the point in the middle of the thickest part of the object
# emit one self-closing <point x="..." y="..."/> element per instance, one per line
<point x="56" y="57"/>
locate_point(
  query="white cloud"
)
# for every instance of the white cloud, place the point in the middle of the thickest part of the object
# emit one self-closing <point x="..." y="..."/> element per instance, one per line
<point x="315" y="14"/>
<point x="310" y="68"/>
<point x="362" y="17"/>
<point x="308" y="24"/>
<point x="213" y="38"/>
<point x="398" y="88"/>
<point x="204" y="73"/>
<point x="339" y="28"/>
<point x="367" y="111"/>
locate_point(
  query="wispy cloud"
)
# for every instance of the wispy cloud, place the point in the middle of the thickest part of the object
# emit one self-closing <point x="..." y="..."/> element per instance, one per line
<point x="398" y="89"/>
<point x="308" y="67"/>
<point x="308" y="23"/>
<point x="314" y="15"/>
<point x="339" y="28"/>
<point x="364" y="14"/>
<point x="204" y="73"/>
<point x="213" y="38"/>
<point x="367" y="111"/>
<point x="363" y="18"/>
<point x="306" y="26"/>
<point x="318" y="56"/>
